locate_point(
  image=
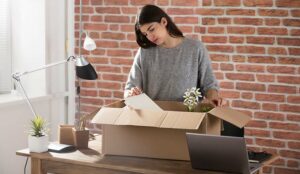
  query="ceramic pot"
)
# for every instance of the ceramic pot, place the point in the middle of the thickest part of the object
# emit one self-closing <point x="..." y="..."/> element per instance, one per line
<point x="81" y="138"/>
<point x="38" y="144"/>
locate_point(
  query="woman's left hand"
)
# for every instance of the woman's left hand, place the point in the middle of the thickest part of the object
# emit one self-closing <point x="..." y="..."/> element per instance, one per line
<point x="218" y="102"/>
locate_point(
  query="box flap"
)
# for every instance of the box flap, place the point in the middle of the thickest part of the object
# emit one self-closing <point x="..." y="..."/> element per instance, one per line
<point x="107" y="115"/>
<point x="237" y="118"/>
<point x="182" y="120"/>
<point x="141" y="117"/>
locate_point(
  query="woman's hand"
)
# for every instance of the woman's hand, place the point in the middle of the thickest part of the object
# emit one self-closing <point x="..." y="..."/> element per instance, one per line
<point x="213" y="98"/>
<point x="134" y="91"/>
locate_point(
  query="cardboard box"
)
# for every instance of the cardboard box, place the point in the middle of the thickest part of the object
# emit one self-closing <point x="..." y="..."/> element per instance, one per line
<point x="158" y="134"/>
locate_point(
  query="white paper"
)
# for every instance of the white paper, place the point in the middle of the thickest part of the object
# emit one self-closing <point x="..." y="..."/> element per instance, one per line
<point x="142" y="101"/>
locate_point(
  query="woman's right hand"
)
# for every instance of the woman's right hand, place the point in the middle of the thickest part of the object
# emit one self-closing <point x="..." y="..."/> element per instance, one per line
<point x="134" y="91"/>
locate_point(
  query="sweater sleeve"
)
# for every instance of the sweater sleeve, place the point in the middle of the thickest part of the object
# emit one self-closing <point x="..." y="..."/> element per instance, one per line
<point x="135" y="74"/>
<point x="207" y="79"/>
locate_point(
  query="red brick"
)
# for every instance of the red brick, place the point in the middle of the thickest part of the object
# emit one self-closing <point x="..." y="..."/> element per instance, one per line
<point x="282" y="89"/>
<point x="294" y="51"/>
<point x="88" y="92"/>
<point x="98" y="60"/>
<point x="109" y="101"/>
<point x="118" y="94"/>
<point x="193" y="3"/>
<point x="180" y="11"/>
<point x="120" y="53"/>
<point x="289" y="79"/>
<point x="108" y="10"/>
<point x="251" y="49"/>
<point x="295" y="13"/>
<point x="229" y="94"/>
<point x="93" y="101"/>
<point x="291" y="22"/>
<point x="209" y="11"/>
<point x="236" y="39"/>
<point x="265" y="78"/>
<point x="294" y="99"/>
<point x="294" y="145"/>
<point x="257" y="124"/>
<point x="88" y="108"/>
<point x="113" y="35"/>
<point x="219" y="75"/>
<point x="289" y="60"/>
<point x="240" y="12"/>
<point x="116" y="19"/>
<point x="214" y="39"/>
<point x="245" y="104"/>
<point x="288" y="3"/>
<point x="109" y="85"/>
<point x="116" y="2"/>
<point x="257" y="133"/>
<point x="277" y="50"/>
<point x="269" y="97"/>
<point x="289" y="108"/>
<point x="206" y="2"/>
<point x="121" y="61"/>
<point x="249" y="68"/>
<point x="284" y="126"/>
<point x="85" y="10"/>
<point x="269" y="142"/>
<point x="88" y="84"/>
<point x="248" y="21"/>
<point x="227" y="85"/>
<point x="239" y="76"/>
<point x="295" y="32"/>
<point x="270" y="107"/>
<point x="114" y="77"/>
<point x="281" y="69"/>
<point x="292" y="163"/>
<point x="238" y="58"/>
<point x="258" y="3"/>
<point x="186" y="20"/>
<point x="95" y="27"/>
<point x="219" y="57"/>
<point x="235" y="3"/>
<point x="293" y="117"/>
<point x="241" y="30"/>
<point x="250" y="86"/>
<point x="224" y="20"/>
<point x="290" y="154"/>
<point x="269" y="116"/>
<point x="272" y="31"/>
<point x="129" y="10"/>
<point x="260" y="40"/>
<point x="273" y="12"/>
<point x="129" y="45"/>
<point x="220" y="48"/>
<point x="200" y="29"/>
<point x="106" y="68"/>
<point x="103" y="93"/>
<point x="216" y="30"/>
<point x="208" y="21"/>
<point x="247" y="95"/>
<point x="272" y="22"/>
<point x="288" y="41"/>
<point x="261" y="59"/>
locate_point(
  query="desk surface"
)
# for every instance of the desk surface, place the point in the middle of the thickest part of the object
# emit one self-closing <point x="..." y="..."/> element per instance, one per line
<point x="92" y="161"/>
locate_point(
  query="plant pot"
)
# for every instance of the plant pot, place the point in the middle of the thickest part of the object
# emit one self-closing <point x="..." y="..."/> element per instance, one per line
<point x="81" y="138"/>
<point x="38" y="144"/>
<point x="65" y="134"/>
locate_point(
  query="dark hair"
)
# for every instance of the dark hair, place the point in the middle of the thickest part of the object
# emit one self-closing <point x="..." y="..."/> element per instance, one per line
<point x="152" y="13"/>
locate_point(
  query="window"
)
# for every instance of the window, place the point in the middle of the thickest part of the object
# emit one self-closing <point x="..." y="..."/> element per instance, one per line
<point x="5" y="51"/>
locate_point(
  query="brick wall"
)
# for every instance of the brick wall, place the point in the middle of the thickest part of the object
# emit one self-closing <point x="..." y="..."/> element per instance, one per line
<point x="255" y="53"/>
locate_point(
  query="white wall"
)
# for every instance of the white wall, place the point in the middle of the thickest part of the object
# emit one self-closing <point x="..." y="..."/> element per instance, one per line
<point x="39" y="39"/>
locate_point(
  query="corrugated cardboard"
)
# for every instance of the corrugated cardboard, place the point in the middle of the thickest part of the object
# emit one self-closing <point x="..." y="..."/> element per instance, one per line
<point x="158" y="134"/>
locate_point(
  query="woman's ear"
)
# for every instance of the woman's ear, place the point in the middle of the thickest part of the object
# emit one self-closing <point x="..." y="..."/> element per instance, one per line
<point x="164" y="21"/>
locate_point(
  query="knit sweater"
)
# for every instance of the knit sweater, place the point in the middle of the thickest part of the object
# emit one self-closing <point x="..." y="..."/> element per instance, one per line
<point x="166" y="73"/>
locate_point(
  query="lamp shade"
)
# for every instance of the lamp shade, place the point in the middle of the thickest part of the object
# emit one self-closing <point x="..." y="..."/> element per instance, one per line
<point x="84" y="69"/>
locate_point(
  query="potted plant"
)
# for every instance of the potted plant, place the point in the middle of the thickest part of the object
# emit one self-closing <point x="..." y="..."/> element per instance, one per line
<point x="38" y="138"/>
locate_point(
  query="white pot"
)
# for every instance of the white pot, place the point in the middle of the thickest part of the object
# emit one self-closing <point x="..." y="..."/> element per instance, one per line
<point x="38" y="144"/>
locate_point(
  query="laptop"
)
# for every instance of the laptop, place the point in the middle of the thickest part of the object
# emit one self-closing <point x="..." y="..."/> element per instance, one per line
<point x="220" y="153"/>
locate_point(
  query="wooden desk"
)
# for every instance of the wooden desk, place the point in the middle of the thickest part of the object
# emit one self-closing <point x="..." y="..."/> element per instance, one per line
<point x="91" y="161"/>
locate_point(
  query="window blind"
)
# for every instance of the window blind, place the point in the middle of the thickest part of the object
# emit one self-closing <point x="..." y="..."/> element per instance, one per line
<point x="5" y="51"/>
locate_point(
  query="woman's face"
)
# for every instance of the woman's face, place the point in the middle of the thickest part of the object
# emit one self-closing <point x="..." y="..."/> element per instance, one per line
<point x="155" y="32"/>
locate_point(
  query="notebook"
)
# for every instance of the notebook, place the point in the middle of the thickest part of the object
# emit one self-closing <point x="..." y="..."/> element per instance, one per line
<point x="220" y="153"/>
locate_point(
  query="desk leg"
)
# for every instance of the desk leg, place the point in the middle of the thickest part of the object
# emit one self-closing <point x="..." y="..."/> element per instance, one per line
<point x="36" y="166"/>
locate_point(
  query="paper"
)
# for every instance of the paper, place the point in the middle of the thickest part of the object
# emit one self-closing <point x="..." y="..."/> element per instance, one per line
<point x="142" y="101"/>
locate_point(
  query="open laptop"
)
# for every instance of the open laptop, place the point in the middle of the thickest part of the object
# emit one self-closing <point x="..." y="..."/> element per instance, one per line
<point x="220" y="153"/>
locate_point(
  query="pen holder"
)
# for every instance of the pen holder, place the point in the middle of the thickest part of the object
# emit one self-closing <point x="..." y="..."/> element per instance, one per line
<point x="65" y="134"/>
<point x="81" y="138"/>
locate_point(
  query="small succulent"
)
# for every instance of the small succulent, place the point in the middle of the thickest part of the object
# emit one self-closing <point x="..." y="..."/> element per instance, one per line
<point x="38" y="127"/>
<point x="191" y="98"/>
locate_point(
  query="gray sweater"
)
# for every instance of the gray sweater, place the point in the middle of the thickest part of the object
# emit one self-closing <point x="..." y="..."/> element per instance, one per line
<point x="166" y="73"/>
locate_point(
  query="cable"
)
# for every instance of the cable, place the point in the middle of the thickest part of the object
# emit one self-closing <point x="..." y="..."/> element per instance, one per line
<point x="25" y="165"/>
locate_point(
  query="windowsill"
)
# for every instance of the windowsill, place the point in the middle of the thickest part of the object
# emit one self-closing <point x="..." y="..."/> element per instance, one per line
<point x="13" y="99"/>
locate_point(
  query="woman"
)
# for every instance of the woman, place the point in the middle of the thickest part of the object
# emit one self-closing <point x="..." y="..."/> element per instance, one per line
<point x="167" y="64"/>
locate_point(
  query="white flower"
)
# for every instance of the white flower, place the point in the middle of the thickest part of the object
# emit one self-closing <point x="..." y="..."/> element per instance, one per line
<point x="191" y="97"/>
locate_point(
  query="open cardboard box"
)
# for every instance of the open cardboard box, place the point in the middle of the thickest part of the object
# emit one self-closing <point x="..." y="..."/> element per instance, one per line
<point x="158" y="134"/>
